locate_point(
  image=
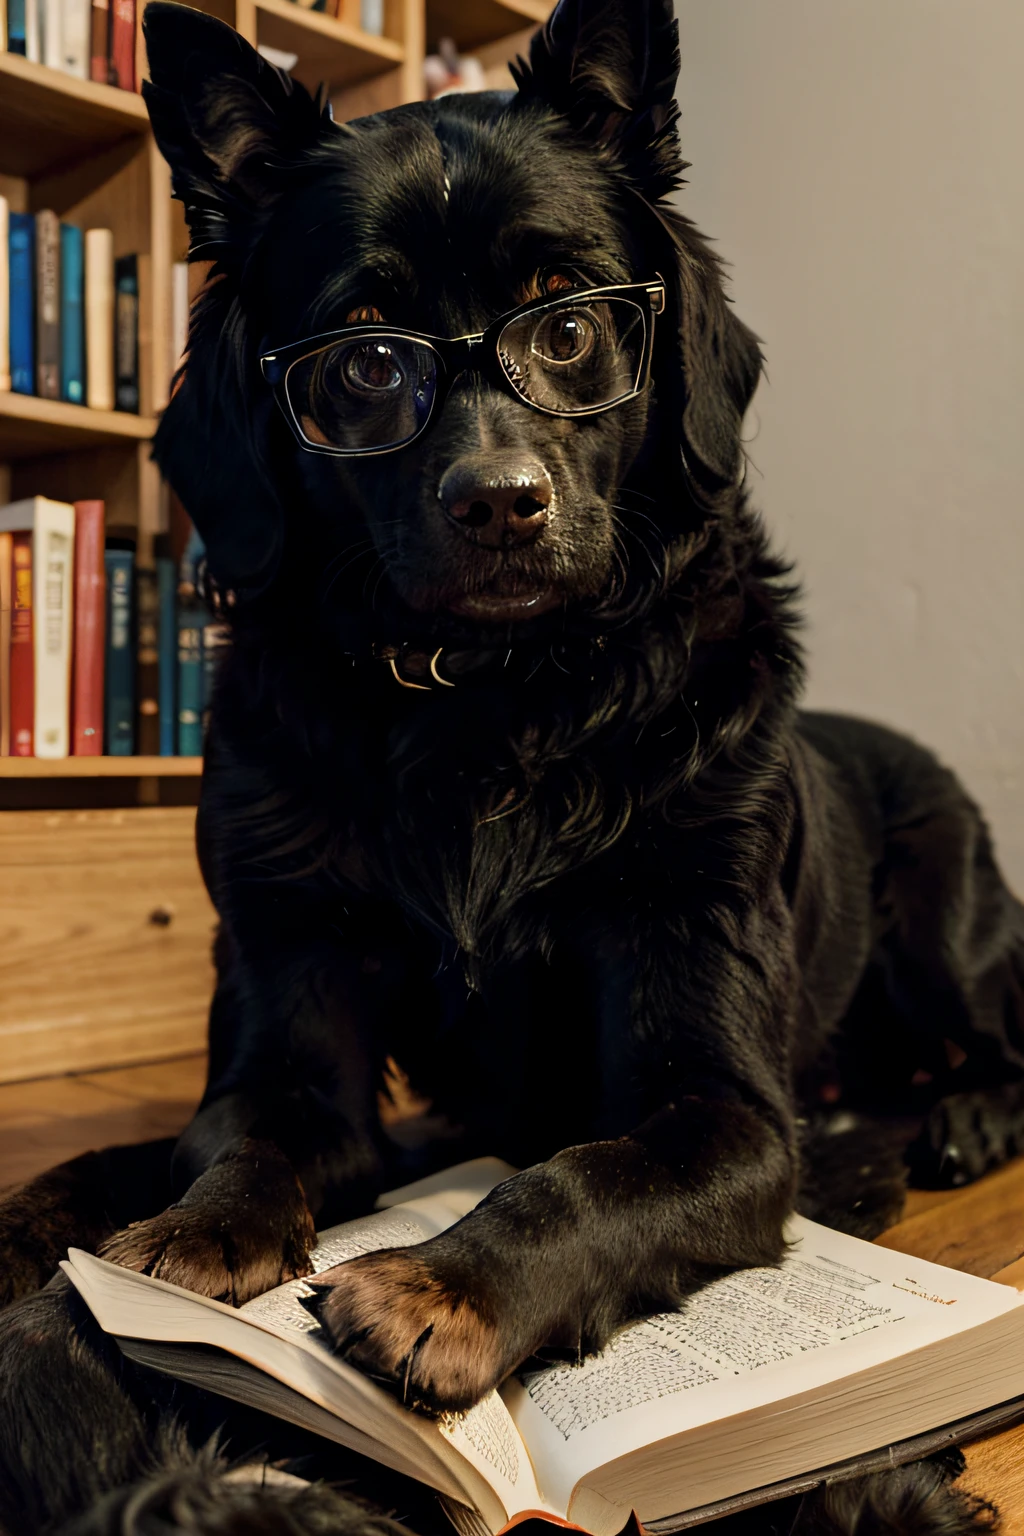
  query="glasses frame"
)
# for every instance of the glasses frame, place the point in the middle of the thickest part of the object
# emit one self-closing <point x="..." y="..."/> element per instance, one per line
<point x="476" y="353"/>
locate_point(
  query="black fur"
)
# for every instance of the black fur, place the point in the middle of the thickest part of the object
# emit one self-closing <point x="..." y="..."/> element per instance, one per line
<point x="620" y="912"/>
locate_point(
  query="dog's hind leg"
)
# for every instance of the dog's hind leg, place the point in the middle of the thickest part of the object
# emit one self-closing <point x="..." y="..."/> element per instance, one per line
<point x="80" y="1203"/>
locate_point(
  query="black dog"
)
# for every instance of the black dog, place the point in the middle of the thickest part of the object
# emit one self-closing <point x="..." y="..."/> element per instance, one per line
<point x="505" y="777"/>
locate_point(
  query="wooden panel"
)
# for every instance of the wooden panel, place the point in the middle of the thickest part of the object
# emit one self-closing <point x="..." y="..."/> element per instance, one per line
<point x="329" y="51"/>
<point x="47" y="1121"/>
<point x="49" y="119"/>
<point x="30" y="426"/>
<point x="472" y="22"/>
<point x="109" y="473"/>
<point x="105" y="932"/>
<point x="99" y="767"/>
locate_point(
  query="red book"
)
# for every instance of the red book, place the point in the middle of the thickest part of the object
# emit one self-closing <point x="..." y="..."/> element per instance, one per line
<point x="99" y="44"/>
<point x="122" y="44"/>
<point x="89" y="642"/>
<point x="23" y="671"/>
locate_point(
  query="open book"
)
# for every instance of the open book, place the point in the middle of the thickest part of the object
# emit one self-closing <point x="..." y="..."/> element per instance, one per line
<point x="760" y="1377"/>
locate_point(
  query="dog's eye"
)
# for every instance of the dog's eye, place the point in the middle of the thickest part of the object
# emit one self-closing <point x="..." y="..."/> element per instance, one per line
<point x="370" y="367"/>
<point x="563" y="337"/>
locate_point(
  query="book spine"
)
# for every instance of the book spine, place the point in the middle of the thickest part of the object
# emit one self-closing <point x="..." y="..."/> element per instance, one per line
<point x="72" y="327"/>
<point x="99" y="319"/>
<point x="22" y="665"/>
<point x="47" y="305"/>
<point x="51" y="33"/>
<point x="120" y="710"/>
<point x="32" y="40"/>
<point x="76" y="37"/>
<point x="16" y="27"/>
<point x="167" y="588"/>
<point x="53" y="554"/>
<point x="99" y="42"/>
<point x="5" y="294"/>
<point x="371" y="17"/>
<point x="190" y="682"/>
<point x="126" y="350"/>
<point x="6" y="596"/>
<point x="122" y="44"/>
<point x="90" y="625"/>
<point x="22" y="341"/>
<point x="147" y="660"/>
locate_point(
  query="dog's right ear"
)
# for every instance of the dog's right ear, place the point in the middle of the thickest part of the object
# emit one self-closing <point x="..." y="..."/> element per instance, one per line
<point x="228" y="124"/>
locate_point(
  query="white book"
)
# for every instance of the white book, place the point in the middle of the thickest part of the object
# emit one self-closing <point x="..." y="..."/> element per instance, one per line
<point x="179" y="315"/>
<point x="5" y="296"/>
<point x="371" y="17"/>
<point x="99" y="319"/>
<point x="51" y="19"/>
<point x="33" y="31"/>
<point x="52" y="526"/>
<point x="75" y="26"/>
<point x="839" y="1351"/>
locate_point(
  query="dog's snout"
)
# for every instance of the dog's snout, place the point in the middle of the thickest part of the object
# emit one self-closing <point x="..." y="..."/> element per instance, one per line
<point x="498" y="503"/>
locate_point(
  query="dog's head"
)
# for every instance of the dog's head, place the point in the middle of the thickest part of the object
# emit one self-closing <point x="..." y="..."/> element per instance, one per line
<point x="507" y="490"/>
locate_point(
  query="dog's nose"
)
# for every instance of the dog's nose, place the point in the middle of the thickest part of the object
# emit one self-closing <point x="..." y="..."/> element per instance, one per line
<point x="495" y="503"/>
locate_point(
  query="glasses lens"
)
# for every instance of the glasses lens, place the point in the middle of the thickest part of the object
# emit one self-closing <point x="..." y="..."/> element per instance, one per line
<point x="575" y="356"/>
<point x="363" y="394"/>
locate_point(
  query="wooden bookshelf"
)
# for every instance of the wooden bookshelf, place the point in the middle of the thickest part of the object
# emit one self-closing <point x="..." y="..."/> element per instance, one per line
<point x="100" y="767"/>
<point x="473" y="24"/>
<point x="30" y="426"/>
<point x="49" y="119"/>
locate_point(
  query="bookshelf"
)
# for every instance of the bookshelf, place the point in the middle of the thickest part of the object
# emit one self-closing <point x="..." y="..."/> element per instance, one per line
<point x="105" y="926"/>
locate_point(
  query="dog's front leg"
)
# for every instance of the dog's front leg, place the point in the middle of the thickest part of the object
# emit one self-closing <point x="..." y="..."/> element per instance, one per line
<point x="287" y="1126"/>
<point x="568" y="1251"/>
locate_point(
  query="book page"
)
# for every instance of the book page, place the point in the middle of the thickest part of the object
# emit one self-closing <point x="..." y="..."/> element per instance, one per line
<point x="833" y="1307"/>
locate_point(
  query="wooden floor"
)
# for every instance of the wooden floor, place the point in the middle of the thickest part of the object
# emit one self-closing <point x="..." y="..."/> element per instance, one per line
<point x="979" y="1229"/>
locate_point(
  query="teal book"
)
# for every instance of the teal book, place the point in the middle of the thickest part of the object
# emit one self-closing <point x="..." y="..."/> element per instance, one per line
<point x="16" y="27"/>
<point x="192" y="616"/>
<point x="72" y="315"/>
<point x="120" y="696"/>
<point x="167" y="645"/>
<point x="21" y="242"/>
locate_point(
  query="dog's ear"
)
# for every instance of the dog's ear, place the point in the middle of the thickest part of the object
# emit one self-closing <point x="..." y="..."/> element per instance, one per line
<point x="230" y="126"/>
<point x="610" y="68"/>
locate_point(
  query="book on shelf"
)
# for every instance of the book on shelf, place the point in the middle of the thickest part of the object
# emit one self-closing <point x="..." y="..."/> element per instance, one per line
<point x="72" y="319"/>
<point x="99" y="41"/>
<point x="120" y="661"/>
<point x="167" y="648"/>
<point x="47" y="529"/>
<point x="16" y="27"/>
<point x="126" y="334"/>
<point x="192" y="616"/>
<point x="51" y="33"/>
<point x="75" y="32"/>
<point x="33" y="31"/>
<point x="147" y="661"/>
<point x="48" y="292"/>
<point x="371" y="17"/>
<point x="89" y="649"/>
<point x="21" y="279"/>
<point x="800" y="1371"/>
<point x="5" y="294"/>
<point x="6" y="598"/>
<point x="99" y="319"/>
<point x="122" y="44"/>
<point x="21" y="664"/>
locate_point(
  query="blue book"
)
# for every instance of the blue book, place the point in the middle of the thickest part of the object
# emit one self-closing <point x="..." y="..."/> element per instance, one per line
<point x="192" y="616"/>
<point x="167" y="646"/>
<point x="72" y="315"/>
<point x="120" y="700"/>
<point x="21" y="251"/>
<point x="16" y="27"/>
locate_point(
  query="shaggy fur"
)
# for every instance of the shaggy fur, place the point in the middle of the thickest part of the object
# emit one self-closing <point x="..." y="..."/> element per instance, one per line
<point x="620" y="912"/>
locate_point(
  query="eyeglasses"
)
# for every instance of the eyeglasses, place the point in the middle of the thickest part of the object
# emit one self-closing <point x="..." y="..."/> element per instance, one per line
<point x="373" y="388"/>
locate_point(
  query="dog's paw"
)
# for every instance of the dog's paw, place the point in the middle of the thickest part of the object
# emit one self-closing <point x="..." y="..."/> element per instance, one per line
<point x="967" y="1135"/>
<point x="395" y="1317"/>
<point x="241" y="1229"/>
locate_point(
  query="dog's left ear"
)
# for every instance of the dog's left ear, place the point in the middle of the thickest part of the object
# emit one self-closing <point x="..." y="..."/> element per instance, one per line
<point x="610" y="68"/>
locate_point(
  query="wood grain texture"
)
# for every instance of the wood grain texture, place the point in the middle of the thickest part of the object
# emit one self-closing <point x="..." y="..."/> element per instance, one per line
<point x="980" y="1231"/>
<point x="105" y="932"/>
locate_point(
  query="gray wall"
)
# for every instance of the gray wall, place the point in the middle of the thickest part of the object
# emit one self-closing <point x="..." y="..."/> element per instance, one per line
<point x="861" y="165"/>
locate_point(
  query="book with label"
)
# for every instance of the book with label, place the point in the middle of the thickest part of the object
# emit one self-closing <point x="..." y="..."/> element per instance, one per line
<point x="126" y="330"/>
<point x="167" y="646"/>
<point x="147" y="661"/>
<point x="21" y="665"/>
<point x="120" y="663"/>
<point x="6" y="599"/>
<point x="122" y="44"/>
<point x="75" y="28"/>
<point x="89" y="653"/>
<point x="51" y="527"/>
<point x="21" y="288"/>
<point x="47" y="305"/>
<point x="794" y="1371"/>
